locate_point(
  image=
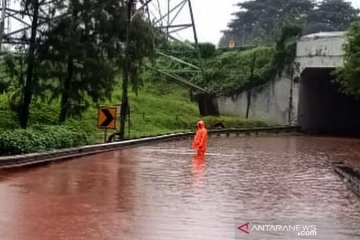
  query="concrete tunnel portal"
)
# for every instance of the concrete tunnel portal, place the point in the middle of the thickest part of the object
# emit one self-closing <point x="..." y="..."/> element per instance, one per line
<point x="323" y="108"/>
<point x="308" y="97"/>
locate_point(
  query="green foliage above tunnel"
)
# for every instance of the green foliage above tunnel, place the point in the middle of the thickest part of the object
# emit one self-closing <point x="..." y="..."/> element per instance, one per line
<point x="228" y="72"/>
<point x="231" y="72"/>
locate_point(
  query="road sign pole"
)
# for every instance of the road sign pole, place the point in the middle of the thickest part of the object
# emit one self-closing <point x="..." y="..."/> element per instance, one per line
<point x="129" y="122"/>
<point x="105" y="135"/>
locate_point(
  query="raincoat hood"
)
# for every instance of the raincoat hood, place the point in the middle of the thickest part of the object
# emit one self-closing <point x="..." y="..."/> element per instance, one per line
<point x="200" y="124"/>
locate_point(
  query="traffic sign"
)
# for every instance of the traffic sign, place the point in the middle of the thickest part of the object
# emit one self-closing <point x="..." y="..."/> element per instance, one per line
<point x="107" y="118"/>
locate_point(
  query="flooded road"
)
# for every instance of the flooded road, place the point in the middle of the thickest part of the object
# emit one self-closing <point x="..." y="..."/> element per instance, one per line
<point x="163" y="192"/>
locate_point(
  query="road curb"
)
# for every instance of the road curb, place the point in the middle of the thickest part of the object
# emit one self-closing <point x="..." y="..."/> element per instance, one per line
<point x="69" y="153"/>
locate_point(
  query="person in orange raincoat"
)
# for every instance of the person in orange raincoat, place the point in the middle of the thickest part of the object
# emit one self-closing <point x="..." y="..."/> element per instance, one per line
<point x="200" y="139"/>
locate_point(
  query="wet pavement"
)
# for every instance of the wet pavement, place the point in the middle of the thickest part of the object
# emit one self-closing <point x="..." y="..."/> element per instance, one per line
<point x="163" y="192"/>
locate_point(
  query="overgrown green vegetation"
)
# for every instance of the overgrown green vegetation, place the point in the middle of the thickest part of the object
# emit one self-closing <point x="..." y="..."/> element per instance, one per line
<point x="348" y="77"/>
<point x="230" y="72"/>
<point x="157" y="108"/>
<point x="76" y="56"/>
<point x="165" y="107"/>
<point x="40" y="138"/>
<point x="71" y="67"/>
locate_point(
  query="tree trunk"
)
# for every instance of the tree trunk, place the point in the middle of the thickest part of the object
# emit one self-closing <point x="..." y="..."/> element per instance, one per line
<point x="28" y="88"/>
<point x="65" y="98"/>
<point x="125" y="99"/>
<point x="66" y="91"/>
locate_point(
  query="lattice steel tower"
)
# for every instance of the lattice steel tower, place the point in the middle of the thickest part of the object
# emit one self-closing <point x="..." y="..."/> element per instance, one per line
<point x="175" y="19"/>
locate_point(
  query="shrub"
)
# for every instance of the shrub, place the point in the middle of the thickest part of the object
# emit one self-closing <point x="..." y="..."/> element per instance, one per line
<point x="40" y="138"/>
<point x="348" y="77"/>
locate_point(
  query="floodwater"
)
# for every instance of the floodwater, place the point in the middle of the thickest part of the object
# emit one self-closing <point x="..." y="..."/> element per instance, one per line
<point x="163" y="192"/>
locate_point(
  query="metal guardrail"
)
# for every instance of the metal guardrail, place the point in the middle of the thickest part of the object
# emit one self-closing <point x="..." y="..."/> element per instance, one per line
<point x="69" y="153"/>
<point x="350" y="177"/>
<point x="246" y="131"/>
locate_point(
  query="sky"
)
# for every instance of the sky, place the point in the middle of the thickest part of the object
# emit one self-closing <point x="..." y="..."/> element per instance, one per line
<point x="212" y="16"/>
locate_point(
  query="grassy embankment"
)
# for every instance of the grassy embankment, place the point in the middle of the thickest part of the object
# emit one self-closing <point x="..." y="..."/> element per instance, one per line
<point x="156" y="109"/>
<point x="159" y="109"/>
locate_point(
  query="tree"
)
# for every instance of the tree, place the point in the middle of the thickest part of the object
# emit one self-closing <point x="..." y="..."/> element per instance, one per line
<point x="14" y="77"/>
<point x="40" y="12"/>
<point x="331" y="15"/>
<point x="34" y="5"/>
<point x="349" y="76"/>
<point x="85" y="52"/>
<point x="74" y="54"/>
<point x="260" y="21"/>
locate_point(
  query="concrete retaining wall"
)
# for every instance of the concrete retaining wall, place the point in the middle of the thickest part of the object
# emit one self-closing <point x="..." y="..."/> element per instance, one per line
<point x="275" y="102"/>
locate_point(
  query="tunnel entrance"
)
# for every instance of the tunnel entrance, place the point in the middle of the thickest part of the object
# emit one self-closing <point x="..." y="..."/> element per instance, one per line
<point x="322" y="109"/>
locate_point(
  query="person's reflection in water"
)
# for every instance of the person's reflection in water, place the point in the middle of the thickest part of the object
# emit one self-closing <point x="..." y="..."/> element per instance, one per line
<point x="198" y="167"/>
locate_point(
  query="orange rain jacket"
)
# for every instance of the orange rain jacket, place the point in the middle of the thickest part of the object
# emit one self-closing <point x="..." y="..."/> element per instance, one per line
<point x="200" y="138"/>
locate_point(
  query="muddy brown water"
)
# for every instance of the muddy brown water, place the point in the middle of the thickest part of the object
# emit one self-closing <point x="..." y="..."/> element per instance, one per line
<point x="163" y="192"/>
